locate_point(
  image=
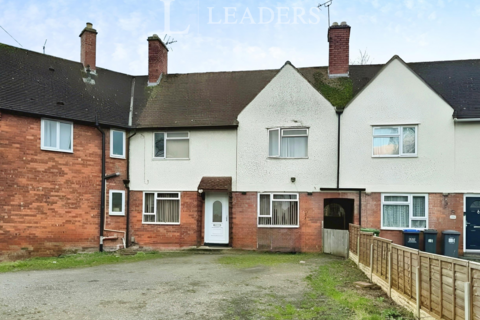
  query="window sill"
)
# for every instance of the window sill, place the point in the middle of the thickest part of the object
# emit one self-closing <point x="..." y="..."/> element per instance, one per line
<point x="117" y="214"/>
<point x="117" y="157"/>
<point x="278" y="227"/>
<point x="161" y="224"/>
<point x="413" y="156"/>
<point x="280" y="158"/>
<point x="401" y="229"/>
<point x="56" y="150"/>
<point x="166" y="159"/>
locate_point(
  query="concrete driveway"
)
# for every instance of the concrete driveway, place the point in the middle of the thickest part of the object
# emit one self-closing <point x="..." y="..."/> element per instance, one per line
<point x="195" y="286"/>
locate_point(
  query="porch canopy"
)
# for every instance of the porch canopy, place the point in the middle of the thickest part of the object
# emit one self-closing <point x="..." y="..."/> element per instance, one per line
<point x="215" y="184"/>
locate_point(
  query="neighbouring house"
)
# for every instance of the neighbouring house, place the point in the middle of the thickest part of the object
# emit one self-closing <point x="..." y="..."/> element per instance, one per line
<point x="258" y="160"/>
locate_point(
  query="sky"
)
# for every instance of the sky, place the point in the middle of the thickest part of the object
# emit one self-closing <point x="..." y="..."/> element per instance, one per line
<point x="229" y="35"/>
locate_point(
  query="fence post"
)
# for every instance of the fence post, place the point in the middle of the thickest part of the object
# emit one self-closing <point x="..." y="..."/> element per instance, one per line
<point x="358" y="249"/>
<point x="371" y="261"/>
<point x="468" y="315"/>
<point x="390" y="272"/>
<point x="417" y="287"/>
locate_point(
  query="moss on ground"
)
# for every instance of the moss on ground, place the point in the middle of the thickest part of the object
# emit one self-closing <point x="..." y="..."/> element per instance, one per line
<point x="82" y="260"/>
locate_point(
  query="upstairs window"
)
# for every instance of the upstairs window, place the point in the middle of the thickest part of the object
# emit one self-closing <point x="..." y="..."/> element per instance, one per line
<point x="117" y="144"/>
<point x="171" y="145"/>
<point x="402" y="211"/>
<point x="57" y="135"/>
<point x="395" y="141"/>
<point x="288" y="143"/>
<point x="277" y="210"/>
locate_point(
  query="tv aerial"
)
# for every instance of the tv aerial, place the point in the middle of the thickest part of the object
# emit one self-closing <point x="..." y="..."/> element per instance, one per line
<point x="326" y="5"/>
<point x="167" y="40"/>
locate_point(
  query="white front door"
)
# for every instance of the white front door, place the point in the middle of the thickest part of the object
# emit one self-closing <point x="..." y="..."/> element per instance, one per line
<point x="216" y="218"/>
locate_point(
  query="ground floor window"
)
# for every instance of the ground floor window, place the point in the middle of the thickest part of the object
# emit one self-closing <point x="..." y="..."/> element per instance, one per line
<point x="402" y="211"/>
<point x="161" y="208"/>
<point x="277" y="210"/>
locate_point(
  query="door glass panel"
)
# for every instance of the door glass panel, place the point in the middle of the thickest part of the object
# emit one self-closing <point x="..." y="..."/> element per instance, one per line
<point x="475" y="205"/>
<point x="217" y="211"/>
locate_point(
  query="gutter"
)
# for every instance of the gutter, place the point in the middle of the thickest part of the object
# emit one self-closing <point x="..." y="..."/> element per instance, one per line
<point x="102" y="192"/>
<point x="339" y="113"/>
<point x="466" y="120"/>
<point x="127" y="186"/>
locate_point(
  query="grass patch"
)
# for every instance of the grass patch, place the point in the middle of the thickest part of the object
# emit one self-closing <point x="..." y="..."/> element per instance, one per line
<point x="332" y="295"/>
<point x="82" y="260"/>
<point x="254" y="259"/>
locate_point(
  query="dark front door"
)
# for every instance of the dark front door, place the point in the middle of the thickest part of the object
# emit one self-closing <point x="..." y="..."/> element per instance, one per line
<point x="472" y="228"/>
<point x="338" y="213"/>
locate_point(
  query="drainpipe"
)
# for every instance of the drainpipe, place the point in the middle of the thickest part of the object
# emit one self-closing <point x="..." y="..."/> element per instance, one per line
<point x="102" y="196"/>
<point x="127" y="186"/>
<point x="360" y="208"/>
<point x="339" y="113"/>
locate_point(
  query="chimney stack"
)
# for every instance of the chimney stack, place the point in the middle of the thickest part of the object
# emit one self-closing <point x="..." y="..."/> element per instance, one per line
<point x="339" y="50"/>
<point x="157" y="59"/>
<point x="88" y="47"/>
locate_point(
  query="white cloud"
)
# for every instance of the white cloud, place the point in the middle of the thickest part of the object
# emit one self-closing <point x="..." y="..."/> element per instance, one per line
<point x="432" y="16"/>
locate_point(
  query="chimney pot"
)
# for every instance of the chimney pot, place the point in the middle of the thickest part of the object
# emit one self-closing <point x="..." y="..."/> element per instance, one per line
<point x="335" y="24"/>
<point x="344" y="23"/>
<point x="89" y="25"/>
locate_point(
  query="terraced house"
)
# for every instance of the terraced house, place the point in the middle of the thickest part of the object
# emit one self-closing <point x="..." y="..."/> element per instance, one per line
<point x="260" y="160"/>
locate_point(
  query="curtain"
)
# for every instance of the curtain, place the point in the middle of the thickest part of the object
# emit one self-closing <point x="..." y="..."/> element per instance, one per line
<point x="264" y="210"/>
<point x="168" y="211"/>
<point x="396" y="216"/>
<point x="408" y="140"/>
<point x="65" y="136"/>
<point x="50" y="133"/>
<point x="177" y="149"/>
<point x="159" y="145"/>
<point x="273" y="136"/>
<point x="294" y="147"/>
<point x="419" y="206"/>
<point x="285" y="213"/>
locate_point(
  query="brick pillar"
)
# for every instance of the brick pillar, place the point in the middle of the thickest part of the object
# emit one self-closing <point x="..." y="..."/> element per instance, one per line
<point x="157" y="59"/>
<point x="88" y="46"/>
<point x="339" y="50"/>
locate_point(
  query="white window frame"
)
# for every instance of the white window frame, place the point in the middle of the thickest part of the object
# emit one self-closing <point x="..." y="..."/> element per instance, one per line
<point x="281" y="135"/>
<point x="122" y="156"/>
<point x="410" y="209"/>
<point x="165" y="138"/>
<point x="400" y="141"/>
<point x="42" y="134"/>
<point x="179" y="198"/>
<point x="110" y="205"/>
<point x="271" y="208"/>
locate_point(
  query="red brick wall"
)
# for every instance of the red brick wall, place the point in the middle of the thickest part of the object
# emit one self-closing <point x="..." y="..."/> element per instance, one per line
<point x="166" y="236"/>
<point x="306" y="238"/>
<point x="50" y="201"/>
<point x="244" y="220"/>
<point x="339" y="50"/>
<point x="440" y="208"/>
<point x="88" y="48"/>
<point x="116" y="223"/>
<point x="157" y="59"/>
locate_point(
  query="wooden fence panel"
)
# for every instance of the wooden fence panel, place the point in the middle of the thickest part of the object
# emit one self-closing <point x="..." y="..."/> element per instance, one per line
<point x="354" y="232"/>
<point x="381" y="249"/>
<point x="446" y="284"/>
<point x="365" y="246"/>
